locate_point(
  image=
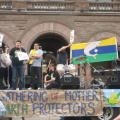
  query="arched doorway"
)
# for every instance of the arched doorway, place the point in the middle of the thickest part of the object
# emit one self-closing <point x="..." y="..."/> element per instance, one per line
<point x="3" y="46"/>
<point x="50" y="43"/>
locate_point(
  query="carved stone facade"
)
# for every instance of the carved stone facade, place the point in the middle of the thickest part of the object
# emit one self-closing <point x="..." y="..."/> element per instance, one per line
<point x="29" y="21"/>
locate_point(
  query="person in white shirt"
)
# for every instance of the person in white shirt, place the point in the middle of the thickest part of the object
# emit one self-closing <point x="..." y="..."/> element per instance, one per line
<point x="8" y="70"/>
<point x="2" y="108"/>
<point x="36" y="69"/>
<point x="3" y="66"/>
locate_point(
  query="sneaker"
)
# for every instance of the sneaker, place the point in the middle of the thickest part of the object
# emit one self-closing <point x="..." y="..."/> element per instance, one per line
<point x="39" y="88"/>
<point x="29" y="88"/>
<point x="45" y="85"/>
<point x="17" y="88"/>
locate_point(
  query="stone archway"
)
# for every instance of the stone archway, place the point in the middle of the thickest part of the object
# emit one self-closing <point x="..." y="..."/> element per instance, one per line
<point x="44" y="28"/>
<point x="103" y="35"/>
<point x="7" y="40"/>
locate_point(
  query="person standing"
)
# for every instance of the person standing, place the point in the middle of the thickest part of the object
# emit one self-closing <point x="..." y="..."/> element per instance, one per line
<point x="2" y="68"/>
<point x="8" y="70"/>
<point x="17" y="66"/>
<point x="35" y="57"/>
<point x="62" y="55"/>
<point x="117" y="74"/>
<point x="3" y="65"/>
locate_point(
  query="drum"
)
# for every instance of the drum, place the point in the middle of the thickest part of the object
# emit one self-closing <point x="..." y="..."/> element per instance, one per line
<point x="61" y="69"/>
<point x="72" y="69"/>
<point x="44" y="68"/>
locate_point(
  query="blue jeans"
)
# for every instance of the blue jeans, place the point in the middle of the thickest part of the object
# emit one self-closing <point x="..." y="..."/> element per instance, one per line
<point x="20" y="71"/>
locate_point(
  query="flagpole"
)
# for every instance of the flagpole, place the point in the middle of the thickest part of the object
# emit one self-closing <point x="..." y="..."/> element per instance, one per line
<point x="70" y="55"/>
<point x="71" y="41"/>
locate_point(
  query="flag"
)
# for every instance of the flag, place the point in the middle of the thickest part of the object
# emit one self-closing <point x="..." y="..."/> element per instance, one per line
<point x="104" y="50"/>
<point x="1" y="39"/>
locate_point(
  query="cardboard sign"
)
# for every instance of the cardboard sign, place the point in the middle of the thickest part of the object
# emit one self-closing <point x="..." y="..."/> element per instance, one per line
<point x="1" y="39"/>
<point x="72" y="36"/>
<point x="52" y="103"/>
<point x="111" y="98"/>
<point x="22" y="56"/>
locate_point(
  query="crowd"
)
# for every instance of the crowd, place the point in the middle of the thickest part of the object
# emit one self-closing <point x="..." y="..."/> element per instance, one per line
<point x="11" y="68"/>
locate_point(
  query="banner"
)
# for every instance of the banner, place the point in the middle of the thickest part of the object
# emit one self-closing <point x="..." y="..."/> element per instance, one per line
<point x="111" y="98"/>
<point x="1" y="39"/>
<point x="52" y="103"/>
<point x="72" y="36"/>
<point x="104" y="50"/>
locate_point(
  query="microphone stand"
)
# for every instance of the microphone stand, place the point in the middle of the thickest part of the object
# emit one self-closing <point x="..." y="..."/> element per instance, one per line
<point x="41" y="68"/>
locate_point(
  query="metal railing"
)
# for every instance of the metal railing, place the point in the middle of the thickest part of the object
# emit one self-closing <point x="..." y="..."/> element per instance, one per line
<point x="50" y="6"/>
<point x="5" y="5"/>
<point x="57" y="5"/>
<point x="104" y="6"/>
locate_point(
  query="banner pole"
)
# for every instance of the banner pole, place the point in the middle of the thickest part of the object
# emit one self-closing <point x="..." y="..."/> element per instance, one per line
<point x="70" y="55"/>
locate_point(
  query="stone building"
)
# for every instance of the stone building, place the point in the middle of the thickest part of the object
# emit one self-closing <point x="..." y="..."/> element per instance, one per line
<point x="49" y="22"/>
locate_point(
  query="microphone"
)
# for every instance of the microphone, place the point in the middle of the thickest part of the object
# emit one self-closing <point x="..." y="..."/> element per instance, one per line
<point x="20" y="48"/>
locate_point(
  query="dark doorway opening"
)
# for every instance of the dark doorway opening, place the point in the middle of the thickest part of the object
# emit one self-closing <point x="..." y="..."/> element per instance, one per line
<point x="3" y="46"/>
<point x="50" y="43"/>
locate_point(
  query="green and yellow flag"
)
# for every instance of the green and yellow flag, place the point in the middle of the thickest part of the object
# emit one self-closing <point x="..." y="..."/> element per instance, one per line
<point x="104" y="50"/>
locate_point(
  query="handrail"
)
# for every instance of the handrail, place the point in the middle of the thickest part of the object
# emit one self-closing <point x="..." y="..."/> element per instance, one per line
<point x="58" y="5"/>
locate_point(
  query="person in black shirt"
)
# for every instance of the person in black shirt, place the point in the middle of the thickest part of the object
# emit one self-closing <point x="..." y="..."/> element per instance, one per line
<point x="117" y="74"/>
<point x="62" y="55"/>
<point x="52" y="80"/>
<point x="17" y="66"/>
<point x="118" y="61"/>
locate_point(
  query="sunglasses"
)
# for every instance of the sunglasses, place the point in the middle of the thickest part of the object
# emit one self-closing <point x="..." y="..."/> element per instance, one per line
<point x="35" y="45"/>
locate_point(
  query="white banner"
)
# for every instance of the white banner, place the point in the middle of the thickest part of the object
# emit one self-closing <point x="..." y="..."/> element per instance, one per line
<point x="1" y="39"/>
<point x="72" y="36"/>
<point x="22" y="56"/>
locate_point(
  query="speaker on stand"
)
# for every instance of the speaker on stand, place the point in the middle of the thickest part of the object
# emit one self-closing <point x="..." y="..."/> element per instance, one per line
<point x="68" y="81"/>
<point x="113" y="83"/>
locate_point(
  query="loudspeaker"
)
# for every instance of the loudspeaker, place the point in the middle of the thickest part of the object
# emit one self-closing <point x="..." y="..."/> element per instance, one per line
<point x="113" y="83"/>
<point x="68" y="81"/>
<point x="27" y="81"/>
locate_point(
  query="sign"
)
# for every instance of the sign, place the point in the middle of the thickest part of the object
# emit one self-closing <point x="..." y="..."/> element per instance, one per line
<point x="52" y="103"/>
<point x="22" y="56"/>
<point x="72" y="36"/>
<point x="1" y="39"/>
<point x="111" y="98"/>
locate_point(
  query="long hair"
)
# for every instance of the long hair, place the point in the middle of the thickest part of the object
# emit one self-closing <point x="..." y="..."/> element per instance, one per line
<point x="1" y="50"/>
